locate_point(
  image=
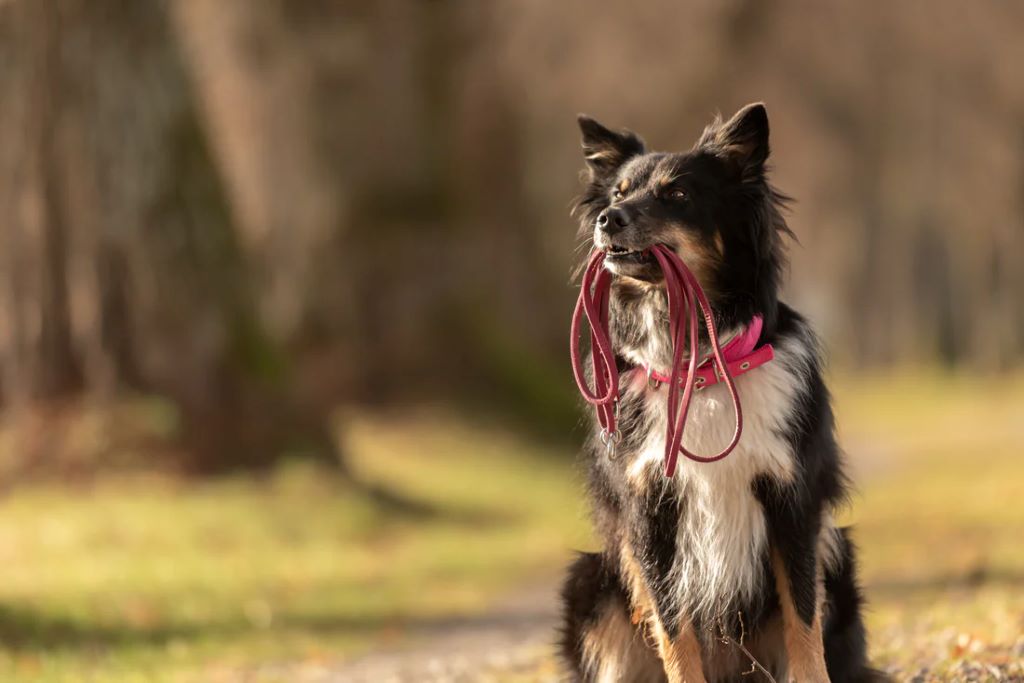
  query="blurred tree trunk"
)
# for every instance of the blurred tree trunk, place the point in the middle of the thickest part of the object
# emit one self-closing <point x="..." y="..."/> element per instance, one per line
<point x="55" y="366"/>
<point x="124" y="179"/>
<point x="255" y="108"/>
<point x="255" y="78"/>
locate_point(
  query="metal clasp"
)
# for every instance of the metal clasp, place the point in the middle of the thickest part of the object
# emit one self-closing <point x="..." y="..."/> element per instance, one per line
<point x="610" y="441"/>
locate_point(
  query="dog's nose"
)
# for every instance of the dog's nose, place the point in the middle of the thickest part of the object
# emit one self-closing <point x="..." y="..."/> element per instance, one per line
<point x="613" y="220"/>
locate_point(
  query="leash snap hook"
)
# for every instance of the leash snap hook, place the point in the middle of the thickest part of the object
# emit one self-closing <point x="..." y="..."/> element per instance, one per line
<point x="610" y="441"/>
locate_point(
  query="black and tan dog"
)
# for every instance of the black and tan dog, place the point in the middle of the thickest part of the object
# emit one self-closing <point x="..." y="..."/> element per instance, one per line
<point x="728" y="562"/>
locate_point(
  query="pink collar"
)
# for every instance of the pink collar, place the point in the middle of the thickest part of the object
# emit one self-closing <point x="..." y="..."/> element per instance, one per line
<point x="739" y="354"/>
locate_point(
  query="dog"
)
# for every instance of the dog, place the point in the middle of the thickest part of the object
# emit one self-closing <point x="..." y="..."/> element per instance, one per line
<point x="733" y="567"/>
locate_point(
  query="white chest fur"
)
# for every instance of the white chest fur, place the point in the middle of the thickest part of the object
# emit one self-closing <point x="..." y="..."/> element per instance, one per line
<point x="722" y="531"/>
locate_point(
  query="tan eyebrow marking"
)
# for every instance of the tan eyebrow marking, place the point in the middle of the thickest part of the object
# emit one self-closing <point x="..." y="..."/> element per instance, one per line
<point x="624" y="185"/>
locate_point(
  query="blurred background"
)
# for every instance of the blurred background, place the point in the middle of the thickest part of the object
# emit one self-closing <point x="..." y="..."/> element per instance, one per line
<point x="285" y="295"/>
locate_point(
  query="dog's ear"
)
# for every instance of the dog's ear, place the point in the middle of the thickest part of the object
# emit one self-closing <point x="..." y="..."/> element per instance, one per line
<point x="743" y="139"/>
<point x="606" y="150"/>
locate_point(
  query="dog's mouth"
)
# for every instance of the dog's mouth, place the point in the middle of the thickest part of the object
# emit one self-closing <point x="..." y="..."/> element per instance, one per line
<point x="615" y="253"/>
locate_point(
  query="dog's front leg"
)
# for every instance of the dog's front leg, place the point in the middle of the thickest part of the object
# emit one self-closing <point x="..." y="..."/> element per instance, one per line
<point x="680" y="653"/>
<point x="648" y="556"/>
<point x="794" y="533"/>
<point x="801" y="594"/>
<point x="674" y="638"/>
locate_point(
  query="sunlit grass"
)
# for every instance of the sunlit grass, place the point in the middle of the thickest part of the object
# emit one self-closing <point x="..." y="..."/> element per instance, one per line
<point x="944" y="562"/>
<point x="940" y="520"/>
<point x="151" y="578"/>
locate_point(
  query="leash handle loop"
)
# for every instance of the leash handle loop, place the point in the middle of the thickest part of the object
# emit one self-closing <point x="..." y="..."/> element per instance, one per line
<point x="593" y="303"/>
<point x="685" y="297"/>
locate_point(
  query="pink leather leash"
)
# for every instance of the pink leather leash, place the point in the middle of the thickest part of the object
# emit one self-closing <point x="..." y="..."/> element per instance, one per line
<point x="594" y="304"/>
<point x="684" y="296"/>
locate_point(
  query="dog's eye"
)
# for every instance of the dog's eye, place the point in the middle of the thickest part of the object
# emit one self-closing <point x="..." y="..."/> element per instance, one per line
<point x="618" y="194"/>
<point x="677" y="195"/>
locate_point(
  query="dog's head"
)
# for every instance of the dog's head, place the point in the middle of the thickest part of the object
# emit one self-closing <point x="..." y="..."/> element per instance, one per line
<point x="712" y="205"/>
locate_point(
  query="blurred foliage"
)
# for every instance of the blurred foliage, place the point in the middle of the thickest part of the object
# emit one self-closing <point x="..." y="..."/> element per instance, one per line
<point x="258" y="210"/>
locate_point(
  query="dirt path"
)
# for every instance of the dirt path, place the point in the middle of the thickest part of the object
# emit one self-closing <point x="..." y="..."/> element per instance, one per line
<point x="515" y="637"/>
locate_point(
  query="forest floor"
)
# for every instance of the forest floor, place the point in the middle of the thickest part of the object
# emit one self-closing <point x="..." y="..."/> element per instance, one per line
<point x="295" y="578"/>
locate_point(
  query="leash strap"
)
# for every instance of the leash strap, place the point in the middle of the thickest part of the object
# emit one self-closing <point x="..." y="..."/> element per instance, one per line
<point x="685" y="296"/>
<point x="593" y="302"/>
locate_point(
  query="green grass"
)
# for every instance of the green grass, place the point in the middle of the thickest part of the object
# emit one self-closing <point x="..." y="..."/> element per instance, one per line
<point x="151" y="578"/>
<point x="944" y="563"/>
<point x="940" y="521"/>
